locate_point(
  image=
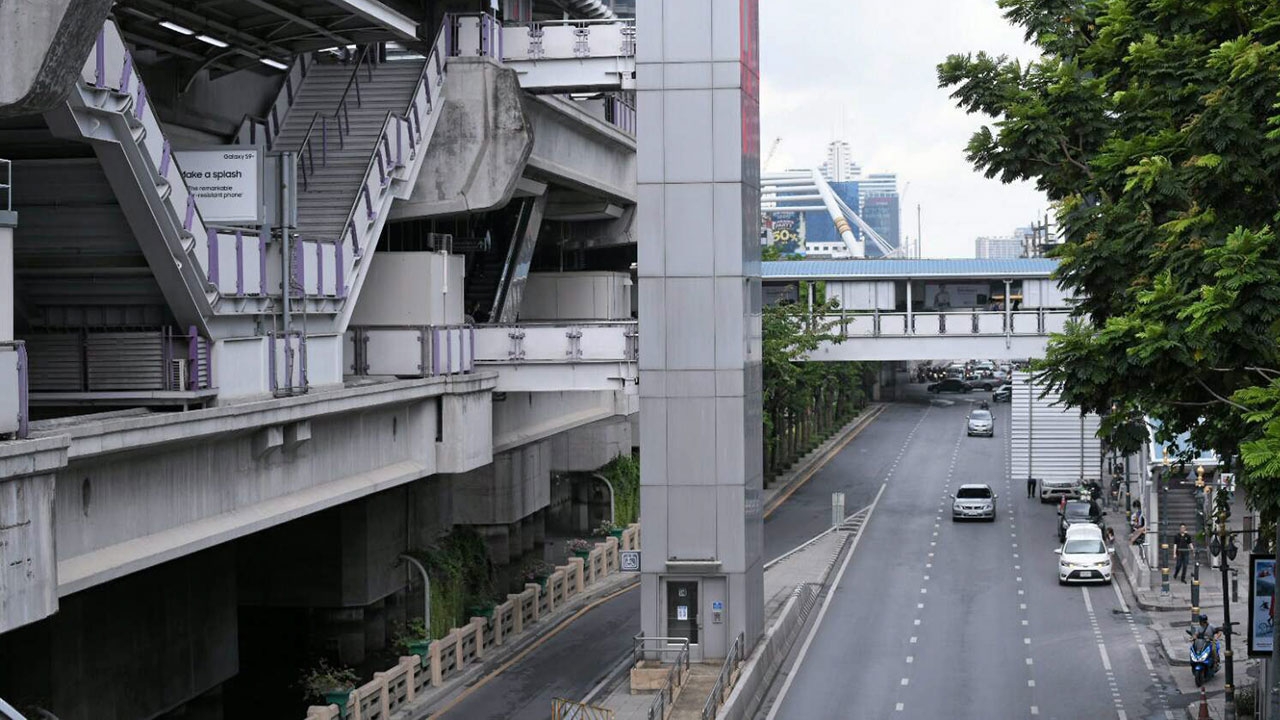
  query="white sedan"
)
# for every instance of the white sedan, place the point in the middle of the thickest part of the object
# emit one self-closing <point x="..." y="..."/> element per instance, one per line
<point x="1084" y="557"/>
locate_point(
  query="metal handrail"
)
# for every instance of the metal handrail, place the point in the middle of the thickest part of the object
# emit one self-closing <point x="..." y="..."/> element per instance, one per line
<point x="732" y="658"/>
<point x="348" y="224"/>
<point x="666" y="695"/>
<point x="305" y="152"/>
<point x="565" y="23"/>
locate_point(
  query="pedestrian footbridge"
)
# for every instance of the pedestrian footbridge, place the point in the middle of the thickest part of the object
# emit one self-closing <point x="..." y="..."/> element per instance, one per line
<point x="926" y="309"/>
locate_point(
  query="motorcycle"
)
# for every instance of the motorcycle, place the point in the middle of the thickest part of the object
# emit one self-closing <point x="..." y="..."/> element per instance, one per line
<point x="1203" y="658"/>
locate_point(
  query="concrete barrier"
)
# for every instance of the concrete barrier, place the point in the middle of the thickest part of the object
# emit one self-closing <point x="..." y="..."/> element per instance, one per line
<point x="762" y="667"/>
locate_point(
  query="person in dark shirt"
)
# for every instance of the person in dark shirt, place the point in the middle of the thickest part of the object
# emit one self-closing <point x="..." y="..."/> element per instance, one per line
<point x="1183" y="547"/>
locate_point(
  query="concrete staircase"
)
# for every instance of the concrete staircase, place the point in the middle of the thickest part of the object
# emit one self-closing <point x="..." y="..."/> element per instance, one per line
<point x="333" y="184"/>
<point x="1178" y="507"/>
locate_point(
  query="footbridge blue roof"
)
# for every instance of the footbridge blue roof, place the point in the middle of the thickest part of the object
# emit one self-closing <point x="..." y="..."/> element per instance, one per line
<point x="907" y="269"/>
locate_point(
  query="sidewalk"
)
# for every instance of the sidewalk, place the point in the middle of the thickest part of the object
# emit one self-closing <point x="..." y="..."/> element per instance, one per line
<point x="1170" y="616"/>
<point x="807" y="466"/>
<point x="811" y="563"/>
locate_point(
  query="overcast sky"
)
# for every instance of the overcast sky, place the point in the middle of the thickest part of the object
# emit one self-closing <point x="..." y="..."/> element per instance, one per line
<point x="872" y="64"/>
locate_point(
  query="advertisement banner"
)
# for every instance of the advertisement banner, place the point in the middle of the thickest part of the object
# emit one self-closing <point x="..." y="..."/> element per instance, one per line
<point x="1262" y="589"/>
<point x="226" y="183"/>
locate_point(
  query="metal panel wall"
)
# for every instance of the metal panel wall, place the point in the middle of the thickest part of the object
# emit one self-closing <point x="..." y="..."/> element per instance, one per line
<point x="1063" y="443"/>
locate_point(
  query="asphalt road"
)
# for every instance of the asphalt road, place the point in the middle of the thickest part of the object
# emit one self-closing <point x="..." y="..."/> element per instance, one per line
<point x="572" y="662"/>
<point x="966" y="620"/>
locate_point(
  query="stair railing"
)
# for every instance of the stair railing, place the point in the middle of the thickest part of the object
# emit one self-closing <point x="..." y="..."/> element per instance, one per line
<point x="390" y="153"/>
<point x="341" y="118"/>
<point x="254" y="128"/>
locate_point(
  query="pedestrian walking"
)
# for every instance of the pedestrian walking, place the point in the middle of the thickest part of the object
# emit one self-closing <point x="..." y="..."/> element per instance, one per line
<point x="1031" y="487"/>
<point x="1183" y="547"/>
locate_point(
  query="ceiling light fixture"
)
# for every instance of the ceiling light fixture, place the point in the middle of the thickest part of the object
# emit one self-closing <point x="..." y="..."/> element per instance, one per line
<point x="181" y="30"/>
<point x="211" y="40"/>
<point x="273" y="63"/>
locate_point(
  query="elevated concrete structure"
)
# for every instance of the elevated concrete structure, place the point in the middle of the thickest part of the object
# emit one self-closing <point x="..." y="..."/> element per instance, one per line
<point x="240" y="425"/>
<point x="44" y="45"/>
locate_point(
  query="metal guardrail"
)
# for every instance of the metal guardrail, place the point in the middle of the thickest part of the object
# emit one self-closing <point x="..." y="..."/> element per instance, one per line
<point x="724" y="680"/>
<point x="341" y="118"/>
<point x="562" y="709"/>
<point x="974" y="323"/>
<point x="675" y="676"/>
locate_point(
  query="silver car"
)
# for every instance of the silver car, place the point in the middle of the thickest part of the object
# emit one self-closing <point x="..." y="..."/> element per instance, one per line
<point x="981" y="423"/>
<point x="975" y="501"/>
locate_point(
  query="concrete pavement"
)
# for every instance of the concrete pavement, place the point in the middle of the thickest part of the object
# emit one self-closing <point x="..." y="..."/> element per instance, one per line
<point x="943" y="619"/>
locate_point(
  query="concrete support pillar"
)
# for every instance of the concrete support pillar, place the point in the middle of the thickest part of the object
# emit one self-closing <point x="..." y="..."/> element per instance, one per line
<point x="698" y="170"/>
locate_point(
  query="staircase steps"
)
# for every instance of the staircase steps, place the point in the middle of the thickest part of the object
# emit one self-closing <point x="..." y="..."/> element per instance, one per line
<point x="334" y="176"/>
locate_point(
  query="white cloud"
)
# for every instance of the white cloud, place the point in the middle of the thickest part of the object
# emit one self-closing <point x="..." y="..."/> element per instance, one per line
<point x="870" y="67"/>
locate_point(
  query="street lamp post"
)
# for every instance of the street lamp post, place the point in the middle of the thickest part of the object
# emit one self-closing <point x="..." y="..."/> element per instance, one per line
<point x="1195" y="556"/>
<point x="1164" y="541"/>
<point x="1224" y="543"/>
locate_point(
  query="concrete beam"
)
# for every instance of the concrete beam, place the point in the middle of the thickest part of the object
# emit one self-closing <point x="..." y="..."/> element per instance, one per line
<point x="28" y="570"/>
<point x="575" y="149"/>
<point x="44" y="45"/>
<point x="548" y="377"/>
<point x="480" y="147"/>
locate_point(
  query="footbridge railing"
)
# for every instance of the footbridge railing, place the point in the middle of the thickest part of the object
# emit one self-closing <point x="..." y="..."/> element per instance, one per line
<point x="556" y="56"/>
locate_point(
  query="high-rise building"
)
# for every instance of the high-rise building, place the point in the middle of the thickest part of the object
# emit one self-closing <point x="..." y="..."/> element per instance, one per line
<point x="998" y="248"/>
<point x="878" y="184"/>
<point x="840" y="166"/>
<point x="882" y="213"/>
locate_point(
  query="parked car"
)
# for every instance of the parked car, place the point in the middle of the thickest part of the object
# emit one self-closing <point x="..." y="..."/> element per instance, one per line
<point x="1055" y="490"/>
<point x="1084" y="556"/>
<point x="974" y="501"/>
<point x="981" y="423"/>
<point x="1078" y="512"/>
<point x="949" y="385"/>
<point x="1004" y="393"/>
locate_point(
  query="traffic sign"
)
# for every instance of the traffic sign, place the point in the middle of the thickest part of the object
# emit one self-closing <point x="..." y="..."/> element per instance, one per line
<point x="629" y="560"/>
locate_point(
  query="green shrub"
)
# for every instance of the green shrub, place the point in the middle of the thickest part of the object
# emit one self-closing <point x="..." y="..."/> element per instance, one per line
<point x="462" y="576"/>
<point x="624" y="474"/>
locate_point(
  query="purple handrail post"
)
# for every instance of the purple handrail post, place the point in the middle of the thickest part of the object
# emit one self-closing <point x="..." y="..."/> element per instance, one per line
<point x="213" y="258"/>
<point x="339" y="283"/>
<point x="355" y="238"/>
<point x="448" y="351"/>
<point x="125" y="72"/>
<point x="296" y="276"/>
<point x="262" y="262"/>
<point x="472" y="332"/>
<point x="142" y="98"/>
<point x="448" y="30"/>
<point x="191" y="213"/>
<point x="382" y="173"/>
<point x="23" y="391"/>
<point x="100" y="58"/>
<point x="368" y="202"/>
<point x="239" y="262"/>
<point x="193" y="359"/>
<point x="319" y="268"/>
<point x="164" y="160"/>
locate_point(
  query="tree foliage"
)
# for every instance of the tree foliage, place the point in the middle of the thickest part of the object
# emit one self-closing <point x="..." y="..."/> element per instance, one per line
<point x="1154" y="127"/>
<point x="804" y="401"/>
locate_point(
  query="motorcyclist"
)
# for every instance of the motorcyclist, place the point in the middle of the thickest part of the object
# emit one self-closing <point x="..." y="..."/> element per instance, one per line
<point x="1210" y="633"/>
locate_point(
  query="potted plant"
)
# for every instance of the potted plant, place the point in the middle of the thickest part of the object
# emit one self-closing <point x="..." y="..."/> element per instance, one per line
<point x="537" y="572"/>
<point x="581" y="548"/>
<point x="414" y="640"/>
<point x="331" y="685"/>
<point x="607" y="528"/>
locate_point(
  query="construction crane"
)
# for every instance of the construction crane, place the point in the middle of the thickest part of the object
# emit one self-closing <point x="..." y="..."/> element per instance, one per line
<point x="773" y="150"/>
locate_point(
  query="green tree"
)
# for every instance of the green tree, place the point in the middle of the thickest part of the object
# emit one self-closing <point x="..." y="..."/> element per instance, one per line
<point x="1153" y="126"/>
<point x="803" y="401"/>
